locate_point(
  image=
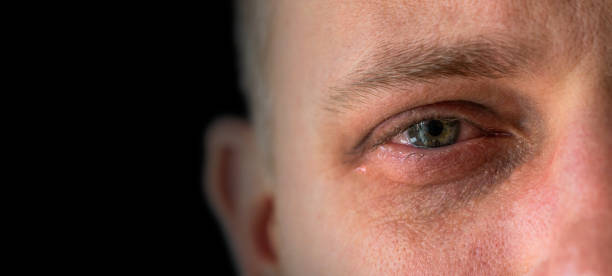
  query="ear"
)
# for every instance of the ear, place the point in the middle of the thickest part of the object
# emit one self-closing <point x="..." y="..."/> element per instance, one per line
<point x="238" y="195"/>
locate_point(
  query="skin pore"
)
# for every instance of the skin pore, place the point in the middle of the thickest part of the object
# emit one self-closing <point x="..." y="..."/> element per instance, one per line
<point x="525" y="189"/>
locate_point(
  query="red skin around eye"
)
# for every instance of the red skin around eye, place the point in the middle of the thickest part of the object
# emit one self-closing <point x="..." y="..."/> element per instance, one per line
<point x="401" y="163"/>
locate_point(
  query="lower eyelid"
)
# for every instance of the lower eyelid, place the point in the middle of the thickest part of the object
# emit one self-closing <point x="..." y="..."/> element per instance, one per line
<point x="416" y="166"/>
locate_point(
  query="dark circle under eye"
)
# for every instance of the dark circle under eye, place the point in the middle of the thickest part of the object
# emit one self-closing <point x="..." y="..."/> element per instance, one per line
<point x="433" y="133"/>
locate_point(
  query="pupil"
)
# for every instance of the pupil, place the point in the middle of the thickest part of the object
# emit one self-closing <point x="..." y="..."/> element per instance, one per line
<point x="434" y="127"/>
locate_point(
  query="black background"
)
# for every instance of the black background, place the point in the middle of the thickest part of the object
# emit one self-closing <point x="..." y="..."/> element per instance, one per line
<point x="126" y="93"/>
<point x="217" y="94"/>
<point x="193" y="48"/>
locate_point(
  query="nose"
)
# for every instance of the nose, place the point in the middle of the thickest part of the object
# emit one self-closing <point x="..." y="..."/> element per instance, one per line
<point x="581" y="242"/>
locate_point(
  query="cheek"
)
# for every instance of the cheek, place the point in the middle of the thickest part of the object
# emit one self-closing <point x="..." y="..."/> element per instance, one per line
<point x="362" y="223"/>
<point x="461" y="244"/>
<point x="502" y="233"/>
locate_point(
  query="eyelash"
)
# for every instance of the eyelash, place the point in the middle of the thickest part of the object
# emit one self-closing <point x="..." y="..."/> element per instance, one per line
<point x="386" y="137"/>
<point x="466" y="112"/>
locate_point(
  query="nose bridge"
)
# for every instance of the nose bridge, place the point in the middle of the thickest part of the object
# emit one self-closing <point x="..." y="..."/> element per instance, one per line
<point x="584" y="151"/>
<point x="582" y="169"/>
<point x="584" y="156"/>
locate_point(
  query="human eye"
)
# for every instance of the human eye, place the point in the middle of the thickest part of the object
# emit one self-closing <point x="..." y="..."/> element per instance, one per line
<point x="432" y="133"/>
<point x="438" y="132"/>
<point x="440" y="143"/>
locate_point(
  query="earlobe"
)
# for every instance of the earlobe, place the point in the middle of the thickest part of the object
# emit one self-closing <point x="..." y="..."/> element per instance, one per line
<point x="236" y="192"/>
<point x="262" y="230"/>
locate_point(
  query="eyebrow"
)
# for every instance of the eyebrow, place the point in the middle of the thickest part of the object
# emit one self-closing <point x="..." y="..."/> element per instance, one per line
<point x="393" y="66"/>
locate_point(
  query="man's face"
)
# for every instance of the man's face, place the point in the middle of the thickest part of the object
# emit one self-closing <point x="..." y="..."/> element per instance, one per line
<point x="441" y="137"/>
<point x="523" y="90"/>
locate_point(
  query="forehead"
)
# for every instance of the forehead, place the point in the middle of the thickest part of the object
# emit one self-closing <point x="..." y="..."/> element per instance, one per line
<point x="421" y="16"/>
<point x="321" y="39"/>
<point x="394" y="17"/>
